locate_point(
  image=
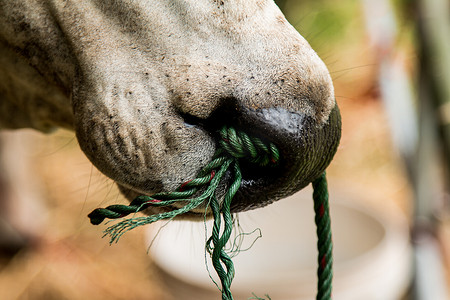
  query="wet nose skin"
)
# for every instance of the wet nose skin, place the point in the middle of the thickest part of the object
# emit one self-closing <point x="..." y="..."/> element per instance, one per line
<point x="306" y="149"/>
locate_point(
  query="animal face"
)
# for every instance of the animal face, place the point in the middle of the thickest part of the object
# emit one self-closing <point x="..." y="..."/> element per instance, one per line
<point x="146" y="84"/>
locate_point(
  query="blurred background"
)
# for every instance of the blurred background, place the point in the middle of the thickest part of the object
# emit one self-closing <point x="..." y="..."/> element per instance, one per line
<point x="389" y="60"/>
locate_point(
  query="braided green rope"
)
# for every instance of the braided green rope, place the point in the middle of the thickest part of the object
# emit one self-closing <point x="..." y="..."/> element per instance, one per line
<point x="324" y="241"/>
<point x="233" y="146"/>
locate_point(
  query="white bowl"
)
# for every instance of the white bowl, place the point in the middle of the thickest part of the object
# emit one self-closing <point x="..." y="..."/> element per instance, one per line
<point x="372" y="255"/>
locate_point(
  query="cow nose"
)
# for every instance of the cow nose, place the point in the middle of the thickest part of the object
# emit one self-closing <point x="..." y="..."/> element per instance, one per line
<point x="306" y="149"/>
<point x="292" y="106"/>
<point x="306" y="145"/>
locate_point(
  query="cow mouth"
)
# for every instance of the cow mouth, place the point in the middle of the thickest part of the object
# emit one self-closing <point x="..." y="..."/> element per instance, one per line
<point x="306" y="148"/>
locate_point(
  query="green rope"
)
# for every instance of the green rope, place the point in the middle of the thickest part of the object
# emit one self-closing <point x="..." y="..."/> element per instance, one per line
<point x="324" y="241"/>
<point x="233" y="146"/>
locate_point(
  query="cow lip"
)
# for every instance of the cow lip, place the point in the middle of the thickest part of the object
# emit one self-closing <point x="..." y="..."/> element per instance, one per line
<point x="251" y="193"/>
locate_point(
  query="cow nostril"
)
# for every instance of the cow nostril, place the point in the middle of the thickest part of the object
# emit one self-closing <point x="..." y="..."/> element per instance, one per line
<point x="191" y="120"/>
<point x="229" y="114"/>
<point x="225" y="113"/>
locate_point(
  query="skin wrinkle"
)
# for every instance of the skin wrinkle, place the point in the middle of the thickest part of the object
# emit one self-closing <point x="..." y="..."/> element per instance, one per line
<point x="142" y="83"/>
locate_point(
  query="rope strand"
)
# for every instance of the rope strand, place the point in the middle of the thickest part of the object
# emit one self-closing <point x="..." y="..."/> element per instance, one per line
<point x="324" y="242"/>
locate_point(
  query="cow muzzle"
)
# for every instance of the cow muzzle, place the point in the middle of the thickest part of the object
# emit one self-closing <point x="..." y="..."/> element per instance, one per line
<point x="306" y="149"/>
